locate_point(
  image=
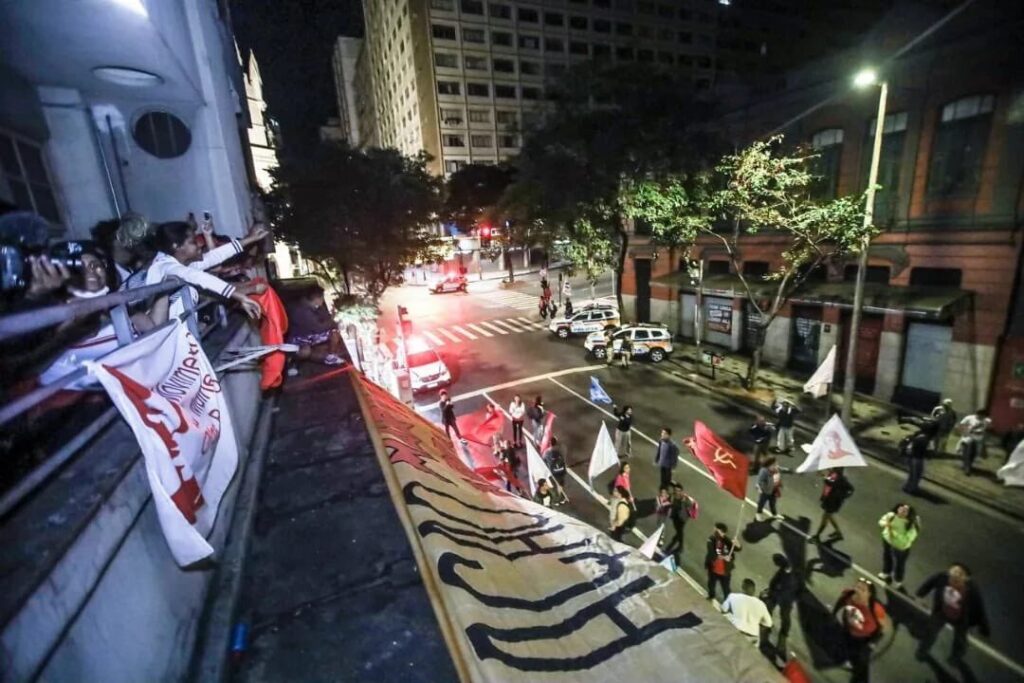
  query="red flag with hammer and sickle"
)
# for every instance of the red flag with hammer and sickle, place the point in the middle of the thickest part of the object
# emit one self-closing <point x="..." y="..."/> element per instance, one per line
<point x="728" y="466"/>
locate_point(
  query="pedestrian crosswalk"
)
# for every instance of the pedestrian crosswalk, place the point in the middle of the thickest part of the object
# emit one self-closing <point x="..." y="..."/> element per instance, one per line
<point x="511" y="299"/>
<point x="481" y="329"/>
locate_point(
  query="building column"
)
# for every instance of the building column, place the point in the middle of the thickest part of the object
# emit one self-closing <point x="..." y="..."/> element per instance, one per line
<point x="890" y="356"/>
<point x="831" y="329"/>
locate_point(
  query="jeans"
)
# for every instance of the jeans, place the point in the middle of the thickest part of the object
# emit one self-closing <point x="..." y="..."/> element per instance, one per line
<point x="931" y="633"/>
<point x="914" y="475"/>
<point x="785" y="621"/>
<point x="623" y="443"/>
<point x="894" y="562"/>
<point x="666" y="477"/>
<point x="970" y="449"/>
<point x="858" y="653"/>
<point x="675" y="546"/>
<point x="517" y="432"/>
<point x="723" y="581"/>
<point x="785" y="440"/>
<point x="538" y="432"/>
<point x="768" y="498"/>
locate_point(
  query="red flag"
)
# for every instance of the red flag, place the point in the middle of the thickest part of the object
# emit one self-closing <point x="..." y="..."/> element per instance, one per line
<point x="728" y="466"/>
<point x="480" y="428"/>
<point x="545" y="441"/>
<point x="272" y="328"/>
<point x="795" y="673"/>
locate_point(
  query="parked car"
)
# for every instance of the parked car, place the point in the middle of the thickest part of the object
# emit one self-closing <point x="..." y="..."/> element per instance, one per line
<point x="650" y="340"/>
<point x="591" y="319"/>
<point x="426" y="368"/>
<point x="451" y="283"/>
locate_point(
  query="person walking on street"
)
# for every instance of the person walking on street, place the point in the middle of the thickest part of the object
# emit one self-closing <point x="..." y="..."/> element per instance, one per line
<point x="782" y="592"/>
<point x="747" y="612"/>
<point x="666" y="457"/>
<point x="718" y="560"/>
<point x="448" y="417"/>
<point x="626" y="351"/>
<point x="945" y="421"/>
<point x="537" y="413"/>
<point x="973" y="429"/>
<point x="864" y="620"/>
<point x="785" y="417"/>
<point x="517" y="411"/>
<point x="555" y="461"/>
<point x="683" y="509"/>
<point x="618" y="514"/>
<point x="568" y="308"/>
<point x="836" y="489"/>
<point x="915" y="448"/>
<point x="623" y="430"/>
<point x="543" y="308"/>
<point x="544" y="494"/>
<point x="769" y="488"/>
<point x="566" y="289"/>
<point x="956" y="600"/>
<point x="622" y="482"/>
<point x="761" y="434"/>
<point x="900" y="528"/>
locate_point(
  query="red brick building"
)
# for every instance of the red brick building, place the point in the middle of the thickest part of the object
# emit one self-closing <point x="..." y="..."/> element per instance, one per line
<point x="942" y="300"/>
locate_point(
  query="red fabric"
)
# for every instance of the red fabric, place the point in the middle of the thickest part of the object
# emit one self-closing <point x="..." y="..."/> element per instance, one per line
<point x="861" y="621"/>
<point x="795" y="673"/>
<point x="545" y="441"/>
<point x="273" y="325"/>
<point x="479" y="430"/>
<point x="728" y="466"/>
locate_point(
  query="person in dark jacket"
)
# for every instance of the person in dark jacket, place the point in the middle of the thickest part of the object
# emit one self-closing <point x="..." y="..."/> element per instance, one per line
<point x="916" y="451"/>
<point x="785" y="417"/>
<point x="761" y="434"/>
<point x="718" y="560"/>
<point x="956" y="600"/>
<point x="666" y="457"/>
<point x="680" y="511"/>
<point x="782" y="592"/>
<point x="836" y="489"/>
<point x="555" y="461"/>
<point x="448" y="417"/>
<point x="623" y="433"/>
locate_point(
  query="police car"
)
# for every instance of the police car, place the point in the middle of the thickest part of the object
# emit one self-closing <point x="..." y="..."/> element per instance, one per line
<point x="452" y="283"/>
<point x="426" y="369"/>
<point x="649" y="340"/>
<point x="593" y="318"/>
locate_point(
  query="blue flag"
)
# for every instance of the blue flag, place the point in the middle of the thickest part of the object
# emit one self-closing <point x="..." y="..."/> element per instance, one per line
<point x="669" y="563"/>
<point x="597" y="392"/>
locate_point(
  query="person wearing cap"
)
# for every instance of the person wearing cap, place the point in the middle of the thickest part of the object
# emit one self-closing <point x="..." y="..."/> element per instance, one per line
<point x="785" y="417"/>
<point x="945" y="421"/>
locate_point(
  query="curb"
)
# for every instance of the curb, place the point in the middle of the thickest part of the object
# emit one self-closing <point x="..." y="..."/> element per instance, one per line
<point x="871" y="447"/>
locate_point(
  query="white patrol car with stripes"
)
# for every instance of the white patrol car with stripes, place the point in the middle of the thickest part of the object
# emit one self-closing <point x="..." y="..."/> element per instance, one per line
<point x="649" y="340"/>
<point x="593" y="317"/>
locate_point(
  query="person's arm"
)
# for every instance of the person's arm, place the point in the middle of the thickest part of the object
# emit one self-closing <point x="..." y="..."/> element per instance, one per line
<point x="212" y="283"/>
<point x="886" y="520"/>
<point x="766" y="617"/>
<point x="727" y="605"/>
<point x="843" y="597"/>
<point x="929" y="585"/>
<point x="982" y="615"/>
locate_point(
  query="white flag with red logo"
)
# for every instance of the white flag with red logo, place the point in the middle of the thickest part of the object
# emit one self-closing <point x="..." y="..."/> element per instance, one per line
<point x="833" y="447"/>
<point x="169" y="395"/>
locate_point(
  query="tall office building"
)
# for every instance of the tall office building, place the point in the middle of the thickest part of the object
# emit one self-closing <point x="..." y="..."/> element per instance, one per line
<point x="462" y="79"/>
<point x="346" y="57"/>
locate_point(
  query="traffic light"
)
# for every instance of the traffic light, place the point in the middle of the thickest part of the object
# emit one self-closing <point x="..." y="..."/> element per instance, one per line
<point x="485" y="236"/>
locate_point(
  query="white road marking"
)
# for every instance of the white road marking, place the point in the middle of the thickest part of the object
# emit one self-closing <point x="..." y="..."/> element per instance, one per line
<point x="534" y="323"/>
<point x="479" y="329"/>
<point x="490" y="326"/>
<point x="465" y="332"/>
<point x="434" y="338"/>
<point x="507" y="325"/>
<point x="449" y="335"/>
<point x="508" y="385"/>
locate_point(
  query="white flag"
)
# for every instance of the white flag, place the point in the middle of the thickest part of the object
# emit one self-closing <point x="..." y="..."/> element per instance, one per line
<point x="535" y="467"/>
<point x="669" y="563"/>
<point x="833" y="447"/>
<point x="651" y="544"/>
<point x="169" y="395"/>
<point x="1012" y="473"/>
<point x="604" y="456"/>
<point x="818" y="384"/>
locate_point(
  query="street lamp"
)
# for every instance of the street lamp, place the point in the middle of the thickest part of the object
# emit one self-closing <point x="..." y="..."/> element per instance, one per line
<point x="863" y="79"/>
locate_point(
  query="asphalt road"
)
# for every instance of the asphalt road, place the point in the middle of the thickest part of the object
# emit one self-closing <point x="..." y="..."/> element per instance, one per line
<point x="953" y="529"/>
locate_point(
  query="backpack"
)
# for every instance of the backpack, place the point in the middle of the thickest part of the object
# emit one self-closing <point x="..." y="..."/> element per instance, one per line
<point x="846" y="490"/>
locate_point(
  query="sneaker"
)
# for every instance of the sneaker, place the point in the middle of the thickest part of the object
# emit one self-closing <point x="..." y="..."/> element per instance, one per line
<point x="779" y="517"/>
<point x="464" y="440"/>
<point x="759" y="517"/>
<point x="333" y="359"/>
<point x="884" y="577"/>
<point x="293" y="372"/>
<point x="898" y="585"/>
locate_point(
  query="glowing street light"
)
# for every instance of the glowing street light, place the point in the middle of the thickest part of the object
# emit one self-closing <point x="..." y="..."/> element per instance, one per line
<point x="865" y="77"/>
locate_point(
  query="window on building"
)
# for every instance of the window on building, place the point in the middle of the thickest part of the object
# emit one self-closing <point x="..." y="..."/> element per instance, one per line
<point x="645" y="55"/>
<point x="506" y="92"/>
<point x="442" y="32"/>
<point x="936" y="277"/>
<point x="506" y="118"/>
<point x="453" y="166"/>
<point x="163" y="135"/>
<point x="959" y="146"/>
<point x="877" y="274"/>
<point x="508" y="140"/>
<point x="624" y="29"/>
<point x="684" y="60"/>
<point x="446" y="60"/>
<point x="528" y="15"/>
<point x="448" y="88"/>
<point x="756" y="268"/>
<point x="500" y="11"/>
<point x="531" y="93"/>
<point x="454" y="140"/>
<point x="578" y="48"/>
<point x="443" y="5"/>
<point x="685" y="14"/>
<point x="703" y="62"/>
<point x="481" y="141"/>
<point x="529" y="42"/>
<point x="642" y="227"/>
<point x="893" y="136"/>
<point x="624" y="54"/>
<point x="24" y="172"/>
<point x="451" y="117"/>
<point x="667" y="11"/>
<point x="475" y="63"/>
<point x="478" y="90"/>
<point x="501" y="38"/>
<point x="479" y="116"/>
<point x="716" y="267"/>
<point x="828" y="146"/>
<point x="473" y="35"/>
<point x="505" y="66"/>
<point x="554" y="19"/>
<point x="666" y="58"/>
<point x="578" y="23"/>
<point x="554" y="70"/>
<point x="529" y="68"/>
<point x="472" y="7"/>
<point x="645" y="7"/>
<point x="602" y="26"/>
<point x="602" y="51"/>
<point x="554" y="45"/>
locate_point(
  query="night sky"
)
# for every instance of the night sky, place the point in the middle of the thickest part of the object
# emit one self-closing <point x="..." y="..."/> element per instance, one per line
<point x="293" y="40"/>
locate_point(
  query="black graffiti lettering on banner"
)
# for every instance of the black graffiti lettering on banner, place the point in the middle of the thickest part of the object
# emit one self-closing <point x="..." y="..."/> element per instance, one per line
<point x="413" y="498"/>
<point x="484" y="637"/>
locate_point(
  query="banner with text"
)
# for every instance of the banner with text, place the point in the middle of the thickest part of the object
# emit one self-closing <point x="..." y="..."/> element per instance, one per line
<point x="169" y="395"/>
<point x="528" y="594"/>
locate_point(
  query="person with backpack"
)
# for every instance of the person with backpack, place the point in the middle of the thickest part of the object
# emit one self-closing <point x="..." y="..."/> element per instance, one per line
<point x="666" y="457"/>
<point x="769" y="488"/>
<point x="782" y="592"/>
<point x="900" y="528"/>
<point x="555" y="461"/>
<point x="683" y="508"/>
<point x="719" y="558"/>
<point x="517" y="411"/>
<point x="956" y="600"/>
<point x="864" y="621"/>
<point x="624" y="430"/>
<point x="619" y="513"/>
<point x="836" y="489"/>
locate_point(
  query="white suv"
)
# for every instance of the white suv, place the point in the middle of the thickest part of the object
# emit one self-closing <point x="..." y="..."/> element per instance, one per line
<point x="649" y="340"/>
<point x="590" y="319"/>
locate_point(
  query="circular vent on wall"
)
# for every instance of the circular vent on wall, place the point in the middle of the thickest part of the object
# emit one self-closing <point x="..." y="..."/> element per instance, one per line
<point x="163" y="135"/>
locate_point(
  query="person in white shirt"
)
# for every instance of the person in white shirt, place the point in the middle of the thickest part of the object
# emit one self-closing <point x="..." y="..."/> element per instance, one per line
<point x="517" y="411"/>
<point x="973" y="429"/>
<point x="747" y="612"/>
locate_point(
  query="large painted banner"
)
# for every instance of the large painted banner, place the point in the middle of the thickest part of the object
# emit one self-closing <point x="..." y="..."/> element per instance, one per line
<point x="167" y="392"/>
<point x="525" y="593"/>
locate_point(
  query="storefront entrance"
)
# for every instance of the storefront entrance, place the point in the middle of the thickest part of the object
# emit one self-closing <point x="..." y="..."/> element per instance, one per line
<point x="924" y="364"/>
<point x="805" y="332"/>
<point x="869" y="338"/>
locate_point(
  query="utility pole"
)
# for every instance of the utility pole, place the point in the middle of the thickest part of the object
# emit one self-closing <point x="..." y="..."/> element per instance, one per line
<point x="849" y="380"/>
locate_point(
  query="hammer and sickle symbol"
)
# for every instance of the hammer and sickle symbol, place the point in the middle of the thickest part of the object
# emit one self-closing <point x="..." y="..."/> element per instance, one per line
<point x="724" y="457"/>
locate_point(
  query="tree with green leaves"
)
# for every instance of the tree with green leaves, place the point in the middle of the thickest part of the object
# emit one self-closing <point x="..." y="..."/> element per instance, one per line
<point x="759" y="190"/>
<point x="359" y="215"/>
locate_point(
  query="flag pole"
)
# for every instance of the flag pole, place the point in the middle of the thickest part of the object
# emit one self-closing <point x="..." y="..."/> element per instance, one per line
<point x="739" y="521"/>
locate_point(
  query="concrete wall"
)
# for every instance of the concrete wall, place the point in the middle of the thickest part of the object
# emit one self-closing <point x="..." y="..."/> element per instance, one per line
<point x="114" y="606"/>
<point x="969" y="369"/>
<point x="776" y="343"/>
<point x="890" y="364"/>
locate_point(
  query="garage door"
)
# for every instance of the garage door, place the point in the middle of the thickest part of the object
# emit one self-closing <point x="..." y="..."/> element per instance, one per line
<point x="924" y="364"/>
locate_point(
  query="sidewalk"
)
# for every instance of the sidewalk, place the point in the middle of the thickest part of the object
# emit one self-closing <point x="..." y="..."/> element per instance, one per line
<point x="875" y="425"/>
